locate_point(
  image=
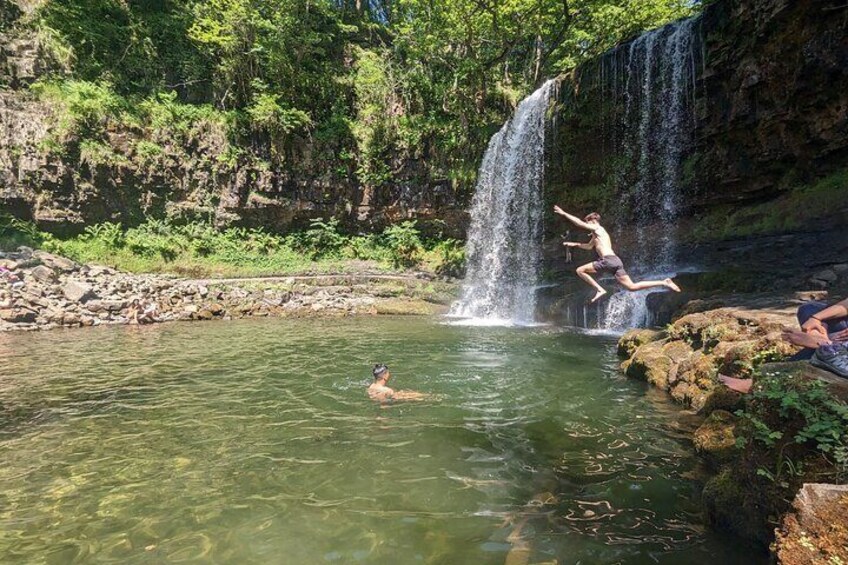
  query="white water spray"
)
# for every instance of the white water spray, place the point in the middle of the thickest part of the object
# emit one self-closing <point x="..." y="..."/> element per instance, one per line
<point x="504" y="239"/>
<point x="659" y="89"/>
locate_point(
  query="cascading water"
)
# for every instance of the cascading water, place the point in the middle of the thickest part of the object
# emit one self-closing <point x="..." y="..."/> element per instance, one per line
<point x="504" y="239"/>
<point x="659" y="83"/>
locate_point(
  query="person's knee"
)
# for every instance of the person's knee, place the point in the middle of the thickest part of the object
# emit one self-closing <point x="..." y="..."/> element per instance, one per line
<point x="580" y="270"/>
<point x="805" y="311"/>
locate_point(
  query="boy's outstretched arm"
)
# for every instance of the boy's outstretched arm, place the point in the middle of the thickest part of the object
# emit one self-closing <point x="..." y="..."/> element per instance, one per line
<point x="574" y="219"/>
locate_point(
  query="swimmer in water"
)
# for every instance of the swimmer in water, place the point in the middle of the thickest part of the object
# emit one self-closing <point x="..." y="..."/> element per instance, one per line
<point x="608" y="261"/>
<point x="379" y="391"/>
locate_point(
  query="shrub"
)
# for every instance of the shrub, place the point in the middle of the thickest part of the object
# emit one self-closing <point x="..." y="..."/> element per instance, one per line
<point x="320" y="240"/>
<point x="82" y="107"/>
<point x="451" y="258"/>
<point x="404" y="244"/>
<point x="15" y="232"/>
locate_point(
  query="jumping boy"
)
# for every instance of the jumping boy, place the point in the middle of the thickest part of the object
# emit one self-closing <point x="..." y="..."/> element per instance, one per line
<point x="608" y="261"/>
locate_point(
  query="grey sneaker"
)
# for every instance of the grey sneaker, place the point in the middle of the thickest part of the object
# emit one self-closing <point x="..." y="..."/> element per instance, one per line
<point x="833" y="358"/>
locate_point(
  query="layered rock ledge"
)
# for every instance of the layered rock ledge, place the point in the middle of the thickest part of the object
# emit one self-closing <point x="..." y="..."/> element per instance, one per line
<point x="40" y="291"/>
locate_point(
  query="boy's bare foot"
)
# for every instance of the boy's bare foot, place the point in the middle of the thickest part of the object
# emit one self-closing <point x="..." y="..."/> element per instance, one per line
<point x="739" y="385"/>
<point x="597" y="296"/>
<point x="810" y="341"/>
<point x="671" y="284"/>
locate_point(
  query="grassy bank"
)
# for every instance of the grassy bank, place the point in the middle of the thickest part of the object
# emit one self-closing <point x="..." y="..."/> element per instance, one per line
<point x="200" y="250"/>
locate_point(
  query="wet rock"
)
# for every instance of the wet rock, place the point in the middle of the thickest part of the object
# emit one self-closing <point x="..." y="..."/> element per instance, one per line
<point x="727" y="507"/>
<point x="715" y="438"/>
<point x="633" y="339"/>
<point x="827" y="276"/>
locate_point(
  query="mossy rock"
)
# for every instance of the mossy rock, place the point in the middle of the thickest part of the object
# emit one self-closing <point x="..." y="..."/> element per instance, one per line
<point x="677" y="351"/>
<point x="738" y="359"/>
<point x="697" y="368"/>
<point x="706" y="329"/>
<point x="650" y="364"/>
<point x="633" y="339"/>
<point x="727" y="507"/>
<point x="716" y="438"/>
<point x="407" y="307"/>
<point x="721" y="398"/>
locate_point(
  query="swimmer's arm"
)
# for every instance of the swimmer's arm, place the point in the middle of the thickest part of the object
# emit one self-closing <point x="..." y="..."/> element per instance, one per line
<point x="588" y="245"/>
<point x="409" y="395"/>
<point x="575" y="220"/>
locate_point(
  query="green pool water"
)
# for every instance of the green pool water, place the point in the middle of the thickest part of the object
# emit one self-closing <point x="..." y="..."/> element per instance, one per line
<point x="254" y="442"/>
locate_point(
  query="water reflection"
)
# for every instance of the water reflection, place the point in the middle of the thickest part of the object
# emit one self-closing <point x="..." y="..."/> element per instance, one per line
<point x="247" y="441"/>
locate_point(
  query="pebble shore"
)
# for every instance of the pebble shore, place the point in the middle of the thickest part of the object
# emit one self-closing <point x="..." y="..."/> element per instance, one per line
<point x="40" y="291"/>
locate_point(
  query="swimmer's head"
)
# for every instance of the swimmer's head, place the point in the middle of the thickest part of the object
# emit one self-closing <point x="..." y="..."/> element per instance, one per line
<point x="592" y="218"/>
<point x="380" y="371"/>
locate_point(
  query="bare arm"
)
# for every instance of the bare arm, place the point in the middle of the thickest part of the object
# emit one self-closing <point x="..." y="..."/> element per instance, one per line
<point x="588" y="245"/>
<point x="814" y="324"/>
<point x="409" y="395"/>
<point x="574" y="219"/>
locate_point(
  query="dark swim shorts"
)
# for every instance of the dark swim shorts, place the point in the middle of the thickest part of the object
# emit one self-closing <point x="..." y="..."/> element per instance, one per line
<point x="610" y="264"/>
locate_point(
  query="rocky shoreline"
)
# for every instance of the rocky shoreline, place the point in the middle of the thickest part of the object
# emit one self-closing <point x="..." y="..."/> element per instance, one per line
<point x="751" y="479"/>
<point x="41" y="291"/>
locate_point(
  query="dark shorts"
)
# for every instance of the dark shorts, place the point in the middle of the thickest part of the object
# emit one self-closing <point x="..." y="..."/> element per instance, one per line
<point x="610" y="264"/>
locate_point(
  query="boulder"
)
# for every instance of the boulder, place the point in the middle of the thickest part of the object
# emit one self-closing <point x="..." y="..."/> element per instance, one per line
<point x="650" y="364"/>
<point x="633" y="339"/>
<point x="715" y="438"/>
<point x="818" y="530"/>
<point x="105" y="305"/>
<point x="78" y="292"/>
<point x="56" y="262"/>
<point x="43" y="274"/>
<point x="18" y="315"/>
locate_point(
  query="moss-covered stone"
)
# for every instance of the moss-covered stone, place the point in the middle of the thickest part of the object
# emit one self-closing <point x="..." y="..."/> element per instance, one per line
<point x="818" y="531"/>
<point x="715" y="438"/>
<point x="727" y="508"/>
<point x="650" y="364"/>
<point x="633" y="339"/>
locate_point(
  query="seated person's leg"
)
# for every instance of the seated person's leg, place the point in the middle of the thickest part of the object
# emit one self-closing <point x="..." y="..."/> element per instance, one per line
<point x="806" y="311"/>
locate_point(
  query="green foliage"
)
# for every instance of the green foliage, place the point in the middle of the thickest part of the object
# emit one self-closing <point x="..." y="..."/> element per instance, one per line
<point x="451" y="258"/>
<point x="15" y="232"/>
<point x="372" y="82"/>
<point x="404" y="244"/>
<point x="787" y="414"/>
<point x="94" y="153"/>
<point x="322" y="239"/>
<point x="83" y="108"/>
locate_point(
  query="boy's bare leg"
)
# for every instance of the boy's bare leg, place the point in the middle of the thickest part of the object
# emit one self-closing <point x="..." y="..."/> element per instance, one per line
<point x="585" y="272"/>
<point x="628" y="283"/>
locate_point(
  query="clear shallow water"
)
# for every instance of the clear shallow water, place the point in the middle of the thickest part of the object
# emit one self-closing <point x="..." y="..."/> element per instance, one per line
<point x="254" y="442"/>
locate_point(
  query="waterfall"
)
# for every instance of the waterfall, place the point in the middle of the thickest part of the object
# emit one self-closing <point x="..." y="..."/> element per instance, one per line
<point x="659" y="82"/>
<point x="504" y="239"/>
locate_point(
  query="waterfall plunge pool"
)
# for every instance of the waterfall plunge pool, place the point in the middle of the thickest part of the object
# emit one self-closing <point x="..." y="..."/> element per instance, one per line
<point x="253" y="441"/>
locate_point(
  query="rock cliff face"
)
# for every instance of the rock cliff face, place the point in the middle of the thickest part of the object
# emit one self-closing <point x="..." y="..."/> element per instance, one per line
<point x="764" y="112"/>
<point x="202" y="173"/>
